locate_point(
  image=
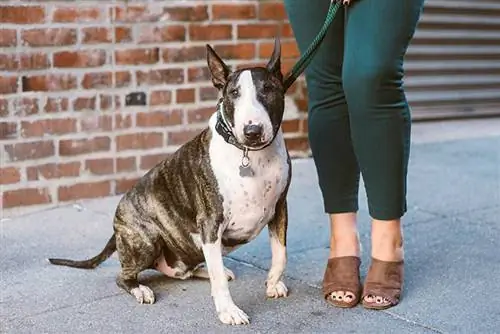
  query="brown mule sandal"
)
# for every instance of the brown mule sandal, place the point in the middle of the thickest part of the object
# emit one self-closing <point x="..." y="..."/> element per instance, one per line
<point x="383" y="283"/>
<point x="342" y="274"/>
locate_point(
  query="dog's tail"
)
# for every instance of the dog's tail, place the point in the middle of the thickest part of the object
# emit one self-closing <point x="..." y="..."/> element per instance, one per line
<point x="109" y="249"/>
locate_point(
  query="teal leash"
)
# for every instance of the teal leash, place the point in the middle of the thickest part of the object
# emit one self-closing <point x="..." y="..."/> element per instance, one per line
<point x="306" y="58"/>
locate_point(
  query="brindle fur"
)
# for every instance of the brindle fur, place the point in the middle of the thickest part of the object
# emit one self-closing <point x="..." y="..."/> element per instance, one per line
<point x="177" y="198"/>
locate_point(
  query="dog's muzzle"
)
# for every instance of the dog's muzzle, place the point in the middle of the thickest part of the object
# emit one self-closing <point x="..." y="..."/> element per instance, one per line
<point x="253" y="134"/>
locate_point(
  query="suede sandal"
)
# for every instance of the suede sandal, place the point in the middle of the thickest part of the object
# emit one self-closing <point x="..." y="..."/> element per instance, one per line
<point x="342" y="274"/>
<point x="384" y="280"/>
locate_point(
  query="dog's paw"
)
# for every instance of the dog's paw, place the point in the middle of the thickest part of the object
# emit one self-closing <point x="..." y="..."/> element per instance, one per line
<point x="232" y="315"/>
<point x="276" y="290"/>
<point x="143" y="294"/>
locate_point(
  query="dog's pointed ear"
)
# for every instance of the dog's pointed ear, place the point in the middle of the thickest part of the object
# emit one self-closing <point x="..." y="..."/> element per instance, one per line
<point x="218" y="69"/>
<point x="274" y="64"/>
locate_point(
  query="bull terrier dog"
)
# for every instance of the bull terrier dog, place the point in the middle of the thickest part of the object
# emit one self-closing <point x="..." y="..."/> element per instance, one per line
<point x="214" y="194"/>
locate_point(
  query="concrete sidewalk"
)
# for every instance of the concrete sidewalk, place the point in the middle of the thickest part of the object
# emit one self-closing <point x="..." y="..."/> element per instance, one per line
<point x="452" y="280"/>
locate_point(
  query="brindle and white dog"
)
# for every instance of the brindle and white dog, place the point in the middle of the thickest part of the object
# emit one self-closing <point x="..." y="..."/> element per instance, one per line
<point x="217" y="192"/>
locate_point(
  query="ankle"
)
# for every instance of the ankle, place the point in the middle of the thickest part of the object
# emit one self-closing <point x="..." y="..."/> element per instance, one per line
<point x="387" y="240"/>
<point x="344" y="238"/>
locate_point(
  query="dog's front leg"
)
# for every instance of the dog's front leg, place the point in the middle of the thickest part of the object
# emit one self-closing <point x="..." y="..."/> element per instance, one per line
<point x="228" y="312"/>
<point x="275" y="288"/>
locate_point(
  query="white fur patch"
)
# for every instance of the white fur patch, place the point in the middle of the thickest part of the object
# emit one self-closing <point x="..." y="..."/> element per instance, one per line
<point x="143" y="294"/>
<point x="249" y="202"/>
<point x="248" y="109"/>
<point x="227" y="310"/>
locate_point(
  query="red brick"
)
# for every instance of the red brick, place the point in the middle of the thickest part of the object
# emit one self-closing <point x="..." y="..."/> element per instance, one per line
<point x="25" y="106"/>
<point x="159" y="77"/>
<point x="85" y="103"/>
<point x="137" y="13"/>
<point x="184" y="54"/>
<point x="122" y="79"/>
<point x="97" y="123"/>
<point x="8" y="130"/>
<point x="272" y="11"/>
<point x="50" y="82"/>
<point x="160" y="97"/>
<point x="100" y="166"/>
<point x="286" y="30"/>
<point x="297" y="143"/>
<point x="10" y="175"/>
<point x="210" y="32"/>
<point x="8" y="37"/>
<point x="56" y="104"/>
<point x="236" y="51"/>
<point x="255" y="31"/>
<point x="84" y="191"/>
<point x="291" y="125"/>
<point x="9" y="62"/>
<point x="198" y="74"/>
<point x="106" y="101"/>
<point x="30" y="151"/>
<point x="69" y="147"/>
<point x="44" y="127"/>
<point x="208" y="93"/>
<point x="123" y="34"/>
<point x="34" y="61"/>
<point x="97" y="80"/>
<point x="96" y="35"/>
<point x="4" y="107"/>
<point x="170" y="33"/>
<point x="124" y="185"/>
<point x="8" y="85"/>
<point x="181" y="137"/>
<point x="125" y="164"/>
<point x="288" y="50"/>
<point x="49" y="37"/>
<point x="123" y="121"/>
<point x="53" y="171"/>
<point x="22" y="14"/>
<point x="187" y="14"/>
<point x="151" y="160"/>
<point x="137" y="56"/>
<point x="185" y="95"/>
<point x="77" y="14"/>
<point x="199" y="115"/>
<point x="304" y="125"/>
<point x="79" y="59"/>
<point x="139" y="141"/>
<point x="159" y="118"/>
<point x="233" y="12"/>
<point x="26" y="197"/>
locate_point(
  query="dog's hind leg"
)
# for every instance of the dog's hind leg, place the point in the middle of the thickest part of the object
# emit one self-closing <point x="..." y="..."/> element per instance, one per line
<point x="135" y="256"/>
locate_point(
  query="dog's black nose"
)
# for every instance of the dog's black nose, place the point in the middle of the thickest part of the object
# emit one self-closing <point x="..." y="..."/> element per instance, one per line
<point x="252" y="131"/>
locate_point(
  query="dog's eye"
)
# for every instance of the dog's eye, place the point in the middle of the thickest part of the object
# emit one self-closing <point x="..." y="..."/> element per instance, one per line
<point x="266" y="88"/>
<point x="234" y="92"/>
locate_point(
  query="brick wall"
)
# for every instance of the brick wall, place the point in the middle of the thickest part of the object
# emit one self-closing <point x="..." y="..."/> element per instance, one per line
<point x="70" y="125"/>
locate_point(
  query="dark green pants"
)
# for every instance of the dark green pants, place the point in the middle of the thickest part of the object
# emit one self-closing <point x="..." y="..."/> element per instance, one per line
<point x="359" y="119"/>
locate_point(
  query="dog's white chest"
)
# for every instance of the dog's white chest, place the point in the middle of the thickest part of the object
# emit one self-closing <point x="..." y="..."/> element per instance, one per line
<point x="249" y="202"/>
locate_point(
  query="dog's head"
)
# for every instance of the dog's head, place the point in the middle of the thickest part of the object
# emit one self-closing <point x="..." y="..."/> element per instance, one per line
<point x="253" y="99"/>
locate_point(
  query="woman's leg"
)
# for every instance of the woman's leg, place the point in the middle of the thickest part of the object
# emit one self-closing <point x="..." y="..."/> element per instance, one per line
<point x="377" y="36"/>
<point x="329" y="128"/>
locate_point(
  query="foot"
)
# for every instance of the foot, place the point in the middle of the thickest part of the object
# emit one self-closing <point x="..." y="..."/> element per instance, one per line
<point x="143" y="294"/>
<point x="344" y="241"/>
<point x="202" y="272"/>
<point x="388" y="255"/>
<point x="229" y="313"/>
<point x="276" y="290"/>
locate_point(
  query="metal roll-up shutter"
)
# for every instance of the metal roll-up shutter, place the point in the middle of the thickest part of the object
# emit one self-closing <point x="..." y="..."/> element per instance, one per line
<point x="453" y="63"/>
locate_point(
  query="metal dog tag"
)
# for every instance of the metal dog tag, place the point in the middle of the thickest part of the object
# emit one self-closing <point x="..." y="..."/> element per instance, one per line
<point x="245" y="169"/>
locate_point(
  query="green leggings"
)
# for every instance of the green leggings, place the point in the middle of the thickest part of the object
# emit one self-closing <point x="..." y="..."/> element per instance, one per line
<point x="359" y="118"/>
